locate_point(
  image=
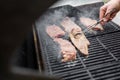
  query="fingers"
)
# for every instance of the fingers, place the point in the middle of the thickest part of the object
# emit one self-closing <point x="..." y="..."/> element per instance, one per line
<point x="109" y="16"/>
<point x="108" y="11"/>
<point x="103" y="10"/>
<point x="106" y="15"/>
<point x="112" y="16"/>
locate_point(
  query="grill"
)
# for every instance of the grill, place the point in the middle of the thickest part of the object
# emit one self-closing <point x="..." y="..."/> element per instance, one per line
<point x="103" y="62"/>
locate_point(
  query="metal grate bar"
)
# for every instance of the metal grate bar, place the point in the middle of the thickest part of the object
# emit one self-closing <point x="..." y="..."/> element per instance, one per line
<point x="75" y="74"/>
<point x="98" y="63"/>
<point x="83" y="71"/>
<point x="116" y="26"/>
<point x="78" y="76"/>
<point x="108" y="76"/>
<point x="63" y="67"/>
<point x="99" y="60"/>
<point x="86" y="68"/>
<point x="102" y="66"/>
<point x="106" y="70"/>
<point x="106" y="49"/>
<point x="100" y="57"/>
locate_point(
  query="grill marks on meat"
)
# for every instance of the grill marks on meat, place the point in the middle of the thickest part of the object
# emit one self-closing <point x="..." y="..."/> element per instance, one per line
<point x="76" y="35"/>
<point x="55" y="31"/>
<point x="87" y="22"/>
<point x="68" y="24"/>
<point x="79" y="40"/>
<point x="67" y="50"/>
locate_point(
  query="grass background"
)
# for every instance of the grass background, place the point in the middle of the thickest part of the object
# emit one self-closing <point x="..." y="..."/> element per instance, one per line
<point x="105" y="1"/>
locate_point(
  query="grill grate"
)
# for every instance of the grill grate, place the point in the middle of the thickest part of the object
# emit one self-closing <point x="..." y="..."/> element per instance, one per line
<point x="112" y="42"/>
<point x="103" y="62"/>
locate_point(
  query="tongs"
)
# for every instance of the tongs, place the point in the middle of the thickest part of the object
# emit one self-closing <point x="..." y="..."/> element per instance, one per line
<point x="93" y="25"/>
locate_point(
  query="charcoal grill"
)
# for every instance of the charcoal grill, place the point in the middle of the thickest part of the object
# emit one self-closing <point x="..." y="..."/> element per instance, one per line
<point x="103" y="62"/>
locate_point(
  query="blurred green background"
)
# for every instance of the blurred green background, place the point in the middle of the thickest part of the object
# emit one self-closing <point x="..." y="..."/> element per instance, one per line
<point x="105" y="1"/>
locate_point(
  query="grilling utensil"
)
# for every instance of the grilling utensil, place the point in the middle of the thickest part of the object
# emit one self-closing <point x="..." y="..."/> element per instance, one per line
<point x="93" y="25"/>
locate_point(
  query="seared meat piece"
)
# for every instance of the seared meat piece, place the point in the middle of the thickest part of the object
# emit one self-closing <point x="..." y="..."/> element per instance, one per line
<point x="55" y="31"/>
<point x="87" y="22"/>
<point x="68" y="51"/>
<point x="76" y="35"/>
<point x="79" y="40"/>
<point x="68" y="24"/>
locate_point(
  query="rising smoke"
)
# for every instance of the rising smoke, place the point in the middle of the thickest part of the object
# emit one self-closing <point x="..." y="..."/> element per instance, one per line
<point x="54" y="16"/>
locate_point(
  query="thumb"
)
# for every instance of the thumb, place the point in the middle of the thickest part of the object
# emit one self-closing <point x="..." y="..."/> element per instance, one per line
<point x="107" y="15"/>
<point x="103" y="10"/>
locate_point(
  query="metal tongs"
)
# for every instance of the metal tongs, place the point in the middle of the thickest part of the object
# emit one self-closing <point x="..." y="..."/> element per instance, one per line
<point x="93" y="25"/>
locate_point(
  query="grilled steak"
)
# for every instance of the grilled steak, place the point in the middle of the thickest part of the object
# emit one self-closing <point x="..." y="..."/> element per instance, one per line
<point x="76" y="35"/>
<point x="67" y="50"/>
<point x="79" y="40"/>
<point x="68" y="24"/>
<point x="87" y="22"/>
<point x="55" y="31"/>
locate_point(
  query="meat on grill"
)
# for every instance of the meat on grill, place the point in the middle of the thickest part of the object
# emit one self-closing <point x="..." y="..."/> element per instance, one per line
<point x="55" y="31"/>
<point x="68" y="51"/>
<point x="68" y="24"/>
<point x="87" y="22"/>
<point x="79" y="40"/>
<point x="76" y="35"/>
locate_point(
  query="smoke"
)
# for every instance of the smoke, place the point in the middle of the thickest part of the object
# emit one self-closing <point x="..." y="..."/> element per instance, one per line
<point x="88" y="12"/>
<point x="51" y="17"/>
<point x="55" y="16"/>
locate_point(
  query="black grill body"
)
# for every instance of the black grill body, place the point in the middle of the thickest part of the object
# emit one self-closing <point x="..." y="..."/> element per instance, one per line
<point x="103" y="62"/>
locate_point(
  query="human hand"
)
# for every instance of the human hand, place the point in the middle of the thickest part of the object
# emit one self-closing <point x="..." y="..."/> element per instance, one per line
<point x="107" y="8"/>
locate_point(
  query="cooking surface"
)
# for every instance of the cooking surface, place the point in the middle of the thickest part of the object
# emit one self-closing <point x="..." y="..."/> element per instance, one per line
<point x="104" y="59"/>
